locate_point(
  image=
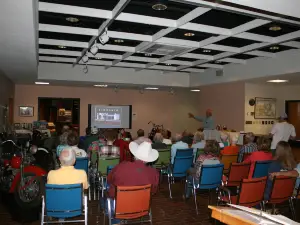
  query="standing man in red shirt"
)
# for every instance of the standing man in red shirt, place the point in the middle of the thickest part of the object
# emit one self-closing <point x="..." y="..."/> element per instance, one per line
<point x="135" y="173"/>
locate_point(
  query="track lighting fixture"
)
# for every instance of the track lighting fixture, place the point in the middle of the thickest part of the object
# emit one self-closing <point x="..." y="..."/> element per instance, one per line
<point x="85" y="58"/>
<point x="94" y="49"/>
<point x="104" y="38"/>
<point x="85" y="69"/>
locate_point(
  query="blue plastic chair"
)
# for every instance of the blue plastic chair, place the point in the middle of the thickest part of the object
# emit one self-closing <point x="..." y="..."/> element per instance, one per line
<point x="179" y="168"/>
<point x="82" y="163"/>
<point x="104" y="183"/>
<point x="261" y="169"/>
<point x="184" y="152"/>
<point x="210" y="178"/>
<point x="64" y="202"/>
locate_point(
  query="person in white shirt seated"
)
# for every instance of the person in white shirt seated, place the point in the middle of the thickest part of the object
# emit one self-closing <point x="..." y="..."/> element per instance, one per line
<point x="179" y="144"/>
<point x="167" y="134"/>
<point x="198" y="142"/>
<point x="224" y="140"/>
<point x="141" y="137"/>
<point x="73" y="141"/>
<point x="282" y="131"/>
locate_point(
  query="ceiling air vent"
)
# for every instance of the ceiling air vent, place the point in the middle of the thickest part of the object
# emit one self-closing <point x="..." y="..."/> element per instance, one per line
<point x="164" y="50"/>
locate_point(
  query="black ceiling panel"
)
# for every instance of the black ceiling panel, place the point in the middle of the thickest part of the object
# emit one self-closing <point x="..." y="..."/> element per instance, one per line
<point x="110" y="52"/>
<point x="55" y="47"/>
<point x="297" y="40"/>
<point x="184" y="59"/>
<point x="265" y="29"/>
<point x="199" y="68"/>
<point x="62" y="56"/>
<point x="180" y="34"/>
<point x="64" y="36"/>
<point x="102" y="59"/>
<point x="219" y="63"/>
<point x="96" y="4"/>
<point x="149" y="56"/>
<point x="61" y="19"/>
<point x="223" y="19"/>
<point x="130" y="43"/>
<point x="243" y="56"/>
<point x="136" y="28"/>
<point x="55" y="62"/>
<point x="206" y="51"/>
<point x="137" y="62"/>
<point x="235" y="42"/>
<point x="166" y="64"/>
<point x="174" y="11"/>
<point x="272" y="50"/>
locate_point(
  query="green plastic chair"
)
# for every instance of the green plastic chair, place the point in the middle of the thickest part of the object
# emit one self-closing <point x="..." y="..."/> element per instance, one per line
<point x="103" y="163"/>
<point x="163" y="159"/>
<point x="200" y="151"/>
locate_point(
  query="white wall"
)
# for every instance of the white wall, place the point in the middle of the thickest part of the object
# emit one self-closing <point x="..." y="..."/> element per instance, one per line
<point x="281" y="92"/>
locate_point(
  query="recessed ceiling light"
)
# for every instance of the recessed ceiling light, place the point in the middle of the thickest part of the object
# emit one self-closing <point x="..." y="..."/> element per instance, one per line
<point x="61" y="46"/>
<point x="148" y="54"/>
<point x="189" y="34"/>
<point x="72" y="19"/>
<point x="100" y="85"/>
<point x="160" y="5"/>
<point x="206" y="50"/>
<point x="168" y="64"/>
<point x="195" y="90"/>
<point x="277" y="81"/>
<point x="41" y="83"/>
<point x="274" y="48"/>
<point x="151" y="88"/>
<point x="118" y="41"/>
<point x="97" y="58"/>
<point x="275" y="28"/>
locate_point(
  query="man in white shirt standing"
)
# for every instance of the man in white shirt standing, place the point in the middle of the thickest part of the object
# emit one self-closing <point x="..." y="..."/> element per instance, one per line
<point x="282" y="131"/>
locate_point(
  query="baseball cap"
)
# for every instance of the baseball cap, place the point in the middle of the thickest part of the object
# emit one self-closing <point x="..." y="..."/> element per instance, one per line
<point x="283" y="116"/>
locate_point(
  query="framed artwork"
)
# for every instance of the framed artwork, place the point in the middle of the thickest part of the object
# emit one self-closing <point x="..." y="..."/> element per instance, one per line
<point x="26" y="111"/>
<point x="265" y="108"/>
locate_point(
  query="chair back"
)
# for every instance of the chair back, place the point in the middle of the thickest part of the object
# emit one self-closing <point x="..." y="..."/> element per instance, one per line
<point x="245" y="156"/>
<point x="132" y="202"/>
<point x="63" y="201"/>
<point x="163" y="158"/>
<point x="227" y="160"/>
<point x="211" y="176"/>
<point x="200" y="151"/>
<point x="252" y="191"/>
<point x="282" y="189"/>
<point x="237" y="172"/>
<point x="181" y="165"/>
<point x="82" y="163"/>
<point x="184" y="152"/>
<point x="94" y="157"/>
<point x="261" y="168"/>
<point x="104" y="162"/>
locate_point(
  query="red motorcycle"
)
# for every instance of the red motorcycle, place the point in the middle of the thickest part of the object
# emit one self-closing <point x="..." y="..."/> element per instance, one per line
<point x="20" y="176"/>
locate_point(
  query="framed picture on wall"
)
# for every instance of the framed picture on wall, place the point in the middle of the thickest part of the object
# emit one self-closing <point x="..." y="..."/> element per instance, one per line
<point x="26" y="111"/>
<point x="265" y="108"/>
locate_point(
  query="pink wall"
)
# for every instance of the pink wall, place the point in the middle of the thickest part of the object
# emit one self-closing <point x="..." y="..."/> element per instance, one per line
<point x="227" y="101"/>
<point x="158" y="106"/>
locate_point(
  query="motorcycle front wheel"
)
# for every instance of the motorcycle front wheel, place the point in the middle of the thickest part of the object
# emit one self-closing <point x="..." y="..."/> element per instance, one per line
<point x="29" y="194"/>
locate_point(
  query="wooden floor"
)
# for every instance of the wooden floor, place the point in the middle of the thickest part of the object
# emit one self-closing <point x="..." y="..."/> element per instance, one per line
<point x="165" y="211"/>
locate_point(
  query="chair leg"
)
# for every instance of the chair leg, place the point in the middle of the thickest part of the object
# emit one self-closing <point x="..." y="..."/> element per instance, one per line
<point x="169" y="181"/>
<point x="292" y="208"/>
<point x="43" y="211"/>
<point x="273" y="209"/>
<point x="150" y="216"/>
<point x="195" y="198"/>
<point x="86" y="210"/>
<point x="209" y="196"/>
<point x="109" y="211"/>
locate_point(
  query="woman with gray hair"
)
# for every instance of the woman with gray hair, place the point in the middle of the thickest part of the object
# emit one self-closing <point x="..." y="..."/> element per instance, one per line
<point x="248" y="147"/>
<point x="63" y="142"/>
<point x="158" y="142"/>
<point x="198" y="142"/>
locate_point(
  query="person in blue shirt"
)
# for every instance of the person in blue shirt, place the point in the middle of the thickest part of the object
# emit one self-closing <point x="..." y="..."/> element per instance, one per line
<point x="208" y="121"/>
<point x="179" y="144"/>
<point x="283" y="161"/>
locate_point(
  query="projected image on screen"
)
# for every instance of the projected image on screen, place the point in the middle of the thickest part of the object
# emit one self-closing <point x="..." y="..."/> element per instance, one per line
<point x="108" y="116"/>
<point x="103" y="116"/>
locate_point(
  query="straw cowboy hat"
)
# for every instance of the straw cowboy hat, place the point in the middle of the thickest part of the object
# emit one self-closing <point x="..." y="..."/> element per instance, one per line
<point x="143" y="151"/>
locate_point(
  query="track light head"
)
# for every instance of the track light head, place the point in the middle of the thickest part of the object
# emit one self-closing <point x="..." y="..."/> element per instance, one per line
<point x="104" y="38"/>
<point x="94" y="49"/>
<point x="85" y="69"/>
<point x="85" y="59"/>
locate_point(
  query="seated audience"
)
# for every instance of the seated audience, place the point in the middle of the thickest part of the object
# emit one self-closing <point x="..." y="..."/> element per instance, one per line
<point x="178" y="145"/>
<point x="62" y="143"/>
<point x="90" y="138"/>
<point x="224" y="139"/>
<point x="123" y="144"/>
<point x="158" y="142"/>
<point x="211" y="157"/>
<point x="141" y="137"/>
<point x="67" y="174"/>
<point x="187" y="137"/>
<point x="134" y="173"/>
<point x="109" y="150"/>
<point x="283" y="161"/>
<point x="248" y="147"/>
<point x="199" y="142"/>
<point x="263" y="153"/>
<point x="167" y="135"/>
<point x="96" y="145"/>
<point x="232" y="149"/>
<point x="73" y="141"/>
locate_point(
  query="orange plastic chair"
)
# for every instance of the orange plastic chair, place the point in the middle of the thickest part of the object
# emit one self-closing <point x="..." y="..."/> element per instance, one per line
<point x="132" y="202"/>
<point x="251" y="193"/>
<point x="237" y="172"/>
<point x="227" y="160"/>
<point x="282" y="191"/>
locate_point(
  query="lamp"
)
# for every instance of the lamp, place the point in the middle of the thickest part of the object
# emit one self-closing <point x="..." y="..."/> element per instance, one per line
<point x="85" y="69"/>
<point x="104" y="38"/>
<point x="94" y="49"/>
<point x="85" y="58"/>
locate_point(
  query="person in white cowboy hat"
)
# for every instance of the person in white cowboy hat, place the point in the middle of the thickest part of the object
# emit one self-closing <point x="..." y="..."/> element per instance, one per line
<point x="135" y="173"/>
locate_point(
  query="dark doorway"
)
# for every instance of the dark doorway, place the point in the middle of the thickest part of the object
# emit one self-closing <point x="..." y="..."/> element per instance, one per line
<point x="60" y="111"/>
<point x="292" y="108"/>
